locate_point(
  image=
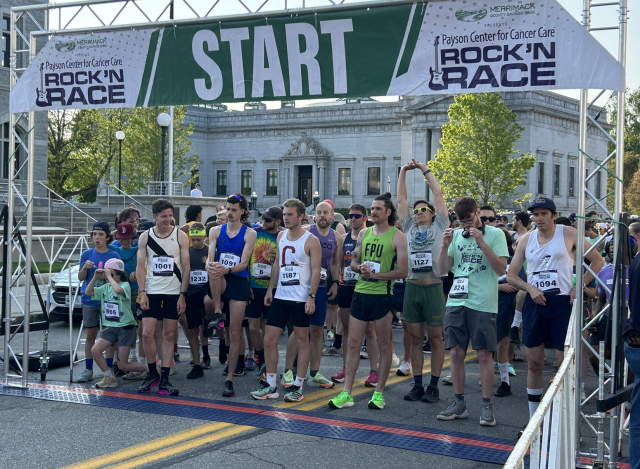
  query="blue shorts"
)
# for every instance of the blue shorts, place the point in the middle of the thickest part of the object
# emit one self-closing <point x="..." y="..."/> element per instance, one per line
<point x="318" y="317"/>
<point x="398" y="296"/>
<point x="546" y="324"/>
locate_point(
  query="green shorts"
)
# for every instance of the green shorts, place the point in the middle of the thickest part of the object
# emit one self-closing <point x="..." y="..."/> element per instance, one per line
<point x="424" y="303"/>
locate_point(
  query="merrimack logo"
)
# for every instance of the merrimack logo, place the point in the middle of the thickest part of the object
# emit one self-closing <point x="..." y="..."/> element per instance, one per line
<point x="65" y="46"/>
<point x="470" y="16"/>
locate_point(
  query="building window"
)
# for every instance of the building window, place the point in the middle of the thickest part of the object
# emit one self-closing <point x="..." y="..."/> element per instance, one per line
<point x="599" y="185"/>
<point x="540" y="178"/>
<point x="246" y="182"/>
<point x="344" y="181"/>
<point x="6" y="42"/>
<point x="272" y="182"/>
<point x="572" y="181"/>
<point x="373" y="181"/>
<point x="221" y="185"/>
<point x="556" y="180"/>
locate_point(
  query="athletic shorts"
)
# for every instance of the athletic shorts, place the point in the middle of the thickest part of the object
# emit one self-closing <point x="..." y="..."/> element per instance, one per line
<point x="462" y="324"/>
<point x="195" y="309"/>
<point x="546" y="324"/>
<point x="162" y="307"/>
<point x="238" y="288"/>
<point x="345" y="295"/>
<point x="256" y="307"/>
<point x="319" y="315"/>
<point x="91" y="315"/>
<point x="424" y="303"/>
<point x="281" y="310"/>
<point x="124" y="336"/>
<point x="367" y="307"/>
<point x="398" y="296"/>
<point x="506" y="311"/>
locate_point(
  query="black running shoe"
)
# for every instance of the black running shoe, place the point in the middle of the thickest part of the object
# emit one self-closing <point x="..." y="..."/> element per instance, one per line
<point x="503" y="390"/>
<point x="228" y="389"/>
<point x="166" y="389"/>
<point x="426" y="347"/>
<point x="432" y="394"/>
<point x="415" y="394"/>
<point x="206" y="363"/>
<point x="240" y="370"/>
<point x="117" y="371"/>
<point x="149" y="383"/>
<point x="196" y="372"/>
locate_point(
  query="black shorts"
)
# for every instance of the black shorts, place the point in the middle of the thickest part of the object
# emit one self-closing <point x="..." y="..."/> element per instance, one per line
<point x="195" y="309"/>
<point x="506" y="311"/>
<point x="281" y="310"/>
<point x="367" y="307"/>
<point x="256" y="307"/>
<point x="345" y="295"/>
<point x="238" y="288"/>
<point x="546" y="324"/>
<point x="162" y="307"/>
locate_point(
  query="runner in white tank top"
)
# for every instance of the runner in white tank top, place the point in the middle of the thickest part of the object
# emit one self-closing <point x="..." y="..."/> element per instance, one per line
<point x="294" y="280"/>
<point x="549" y="265"/>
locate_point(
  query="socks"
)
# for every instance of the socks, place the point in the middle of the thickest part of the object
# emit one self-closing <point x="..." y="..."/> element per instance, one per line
<point x="417" y="380"/>
<point x="260" y="354"/>
<point x="109" y="362"/>
<point x="460" y="397"/>
<point x="205" y="352"/>
<point x="313" y="373"/>
<point x="153" y="371"/>
<point x="88" y="364"/>
<point x="109" y="373"/>
<point x="517" y="319"/>
<point x="337" y="342"/>
<point x="271" y="379"/>
<point x="164" y="373"/>
<point x="240" y="363"/>
<point x="251" y="353"/>
<point x="299" y="382"/>
<point x="484" y="399"/>
<point x="534" y="396"/>
<point x="434" y="381"/>
<point x="504" y="372"/>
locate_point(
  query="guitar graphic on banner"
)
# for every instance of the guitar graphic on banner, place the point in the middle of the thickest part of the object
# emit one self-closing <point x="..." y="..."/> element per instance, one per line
<point x="436" y="82"/>
<point x="42" y="99"/>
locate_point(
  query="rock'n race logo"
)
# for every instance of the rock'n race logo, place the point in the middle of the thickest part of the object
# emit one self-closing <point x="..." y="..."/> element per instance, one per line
<point x="470" y="16"/>
<point x="65" y="46"/>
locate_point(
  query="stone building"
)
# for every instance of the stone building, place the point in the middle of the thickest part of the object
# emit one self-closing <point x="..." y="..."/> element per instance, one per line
<point x="352" y="152"/>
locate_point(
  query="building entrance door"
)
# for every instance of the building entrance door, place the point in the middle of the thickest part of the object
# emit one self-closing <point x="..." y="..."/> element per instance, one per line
<point x="305" y="184"/>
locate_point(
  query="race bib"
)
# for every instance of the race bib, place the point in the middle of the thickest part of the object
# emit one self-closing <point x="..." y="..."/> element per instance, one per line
<point x="162" y="266"/>
<point x="261" y="271"/>
<point x="229" y="260"/>
<point x="547" y="281"/>
<point x="198" y="277"/>
<point x="289" y="275"/>
<point x="323" y="276"/>
<point x="349" y="277"/>
<point x="421" y="261"/>
<point x="460" y="288"/>
<point x="375" y="268"/>
<point x="111" y="311"/>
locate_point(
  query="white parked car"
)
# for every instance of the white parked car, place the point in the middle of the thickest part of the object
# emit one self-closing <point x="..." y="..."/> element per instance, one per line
<point x="59" y="298"/>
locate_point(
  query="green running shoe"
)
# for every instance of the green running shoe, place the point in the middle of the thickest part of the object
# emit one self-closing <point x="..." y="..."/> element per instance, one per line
<point x="295" y="395"/>
<point x="288" y="379"/>
<point x="319" y="381"/>
<point x="267" y="392"/>
<point x="377" y="401"/>
<point x="343" y="399"/>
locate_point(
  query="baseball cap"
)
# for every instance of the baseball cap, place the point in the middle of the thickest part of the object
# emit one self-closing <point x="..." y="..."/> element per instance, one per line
<point x="115" y="264"/>
<point x="273" y="213"/>
<point x="145" y="225"/>
<point x="543" y="202"/>
<point x="125" y="231"/>
<point x="330" y="203"/>
<point x="102" y="226"/>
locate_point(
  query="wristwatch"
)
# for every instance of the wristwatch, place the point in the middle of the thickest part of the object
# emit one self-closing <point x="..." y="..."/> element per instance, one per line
<point x="312" y="295"/>
<point x="143" y="291"/>
<point x="183" y="293"/>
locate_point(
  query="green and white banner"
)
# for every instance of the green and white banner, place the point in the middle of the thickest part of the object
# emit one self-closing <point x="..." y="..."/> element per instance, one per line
<point x="441" y="47"/>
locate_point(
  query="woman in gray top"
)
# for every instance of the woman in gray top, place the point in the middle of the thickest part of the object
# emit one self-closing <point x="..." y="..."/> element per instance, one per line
<point x="424" y="301"/>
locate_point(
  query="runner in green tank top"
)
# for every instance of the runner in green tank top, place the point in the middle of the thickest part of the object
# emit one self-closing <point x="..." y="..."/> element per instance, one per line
<point x="377" y="250"/>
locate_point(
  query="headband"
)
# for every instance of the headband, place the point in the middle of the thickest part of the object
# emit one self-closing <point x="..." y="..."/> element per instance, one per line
<point x="197" y="233"/>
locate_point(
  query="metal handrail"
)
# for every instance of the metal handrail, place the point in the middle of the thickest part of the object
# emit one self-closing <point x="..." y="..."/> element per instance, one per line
<point x="62" y="199"/>
<point x="127" y="195"/>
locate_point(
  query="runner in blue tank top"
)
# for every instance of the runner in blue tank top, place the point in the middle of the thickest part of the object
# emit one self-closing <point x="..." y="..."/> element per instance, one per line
<point x="230" y="248"/>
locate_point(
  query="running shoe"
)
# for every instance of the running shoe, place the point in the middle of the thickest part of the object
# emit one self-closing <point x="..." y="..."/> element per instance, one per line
<point x="107" y="382"/>
<point x="172" y="369"/>
<point x="262" y="372"/>
<point x="228" y="389"/>
<point x="176" y="357"/>
<point x="431" y="394"/>
<point x="240" y="370"/>
<point x="135" y="375"/>
<point x="85" y="376"/>
<point x="415" y="394"/>
<point x="343" y="399"/>
<point x="338" y="377"/>
<point x="397" y="324"/>
<point x="319" y="381"/>
<point x="330" y="335"/>
<point x="517" y="355"/>
<point x="372" y="380"/>
<point x="206" y="363"/>
<point x="250" y="365"/>
<point x="456" y="410"/>
<point x="166" y="389"/>
<point x="377" y="401"/>
<point x="196" y="372"/>
<point x="395" y="361"/>
<point x="404" y="369"/>
<point x="363" y="352"/>
<point x="295" y="395"/>
<point x="447" y="379"/>
<point x="149" y="383"/>
<point x="288" y="379"/>
<point x="486" y="415"/>
<point x="512" y="372"/>
<point x="426" y="347"/>
<point x="117" y="371"/>
<point x="503" y="390"/>
<point x="267" y="392"/>
<point x="331" y="351"/>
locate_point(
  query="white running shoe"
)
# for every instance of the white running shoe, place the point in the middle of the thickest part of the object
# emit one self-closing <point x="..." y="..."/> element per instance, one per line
<point x="404" y="369"/>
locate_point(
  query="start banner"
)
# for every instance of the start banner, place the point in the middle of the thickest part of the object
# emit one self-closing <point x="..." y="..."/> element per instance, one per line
<point x="442" y="47"/>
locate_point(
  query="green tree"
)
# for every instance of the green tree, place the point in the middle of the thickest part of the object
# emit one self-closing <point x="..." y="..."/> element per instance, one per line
<point x="477" y="157"/>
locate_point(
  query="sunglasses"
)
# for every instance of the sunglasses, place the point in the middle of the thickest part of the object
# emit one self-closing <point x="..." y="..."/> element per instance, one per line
<point x="355" y="215"/>
<point x="421" y="209"/>
<point x="267" y="220"/>
<point x="489" y="219"/>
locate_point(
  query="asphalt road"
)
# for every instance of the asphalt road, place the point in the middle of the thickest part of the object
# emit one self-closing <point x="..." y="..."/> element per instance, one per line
<point x="44" y="434"/>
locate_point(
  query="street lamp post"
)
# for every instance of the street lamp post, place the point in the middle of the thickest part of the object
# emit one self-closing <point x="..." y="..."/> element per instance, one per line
<point x="316" y="199"/>
<point x="120" y="137"/>
<point x="163" y="121"/>
<point x="254" y="203"/>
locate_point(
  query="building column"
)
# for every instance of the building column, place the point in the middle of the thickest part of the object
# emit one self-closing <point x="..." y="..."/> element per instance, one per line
<point x="314" y="179"/>
<point x="321" y="185"/>
<point x="285" y="193"/>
